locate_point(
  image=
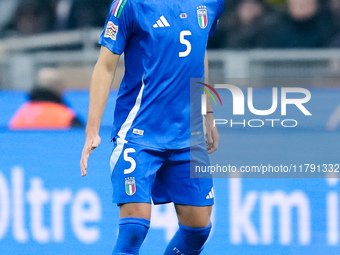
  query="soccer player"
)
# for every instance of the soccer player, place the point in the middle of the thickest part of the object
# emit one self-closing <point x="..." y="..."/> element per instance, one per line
<point x="164" y="46"/>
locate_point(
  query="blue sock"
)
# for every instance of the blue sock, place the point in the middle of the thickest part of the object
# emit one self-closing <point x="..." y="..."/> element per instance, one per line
<point x="188" y="241"/>
<point x="132" y="232"/>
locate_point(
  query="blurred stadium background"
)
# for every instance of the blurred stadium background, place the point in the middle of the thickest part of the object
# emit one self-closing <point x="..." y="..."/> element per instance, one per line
<point x="46" y="208"/>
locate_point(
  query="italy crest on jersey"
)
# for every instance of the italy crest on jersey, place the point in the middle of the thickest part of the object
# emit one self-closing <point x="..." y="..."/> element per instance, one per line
<point x="130" y="186"/>
<point x="111" y="31"/>
<point x="202" y="15"/>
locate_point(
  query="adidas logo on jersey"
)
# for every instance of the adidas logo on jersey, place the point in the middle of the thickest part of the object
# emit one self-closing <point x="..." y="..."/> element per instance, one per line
<point x="211" y="194"/>
<point x="162" y="22"/>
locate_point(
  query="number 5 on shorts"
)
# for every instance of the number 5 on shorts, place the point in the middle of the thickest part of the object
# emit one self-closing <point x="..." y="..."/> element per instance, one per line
<point x="129" y="159"/>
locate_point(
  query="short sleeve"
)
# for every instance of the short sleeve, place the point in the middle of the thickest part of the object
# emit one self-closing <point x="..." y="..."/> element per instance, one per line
<point x="217" y="17"/>
<point x="118" y="27"/>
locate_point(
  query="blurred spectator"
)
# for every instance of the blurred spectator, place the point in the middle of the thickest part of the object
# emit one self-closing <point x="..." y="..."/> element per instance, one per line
<point x="31" y="17"/>
<point x="38" y="16"/>
<point x="334" y="6"/>
<point x="45" y="108"/>
<point x="240" y="29"/>
<point x="303" y="26"/>
<point x="245" y="24"/>
<point x="88" y="13"/>
<point x="7" y="8"/>
<point x="62" y="9"/>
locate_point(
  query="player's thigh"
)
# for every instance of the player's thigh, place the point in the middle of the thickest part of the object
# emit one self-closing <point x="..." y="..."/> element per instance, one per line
<point x="135" y="210"/>
<point x="174" y="182"/>
<point x="193" y="216"/>
<point x="133" y="171"/>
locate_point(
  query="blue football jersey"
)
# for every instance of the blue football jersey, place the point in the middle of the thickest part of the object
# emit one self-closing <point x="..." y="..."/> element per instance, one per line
<point x="164" y="45"/>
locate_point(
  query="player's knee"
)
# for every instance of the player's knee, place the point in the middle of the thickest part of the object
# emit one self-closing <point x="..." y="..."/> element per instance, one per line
<point x="132" y="232"/>
<point x="195" y="237"/>
<point x="135" y="210"/>
<point x="192" y="216"/>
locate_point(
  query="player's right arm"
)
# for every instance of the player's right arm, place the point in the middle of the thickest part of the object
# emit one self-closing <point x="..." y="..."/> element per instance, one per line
<point x="101" y="81"/>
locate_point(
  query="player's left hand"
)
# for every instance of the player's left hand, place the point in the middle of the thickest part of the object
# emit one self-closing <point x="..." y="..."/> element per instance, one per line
<point x="212" y="133"/>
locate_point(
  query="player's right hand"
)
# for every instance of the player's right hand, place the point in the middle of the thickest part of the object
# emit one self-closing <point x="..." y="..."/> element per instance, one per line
<point x="91" y="143"/>
<point x="212" y="134"/>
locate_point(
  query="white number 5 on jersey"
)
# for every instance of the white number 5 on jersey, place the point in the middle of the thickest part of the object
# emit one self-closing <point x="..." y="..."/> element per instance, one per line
<point x="129" y="159"/>
<point x="185" y="42"/>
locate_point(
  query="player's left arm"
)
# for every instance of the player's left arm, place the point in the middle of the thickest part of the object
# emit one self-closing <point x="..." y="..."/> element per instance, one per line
<point x="212" y="133"/>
